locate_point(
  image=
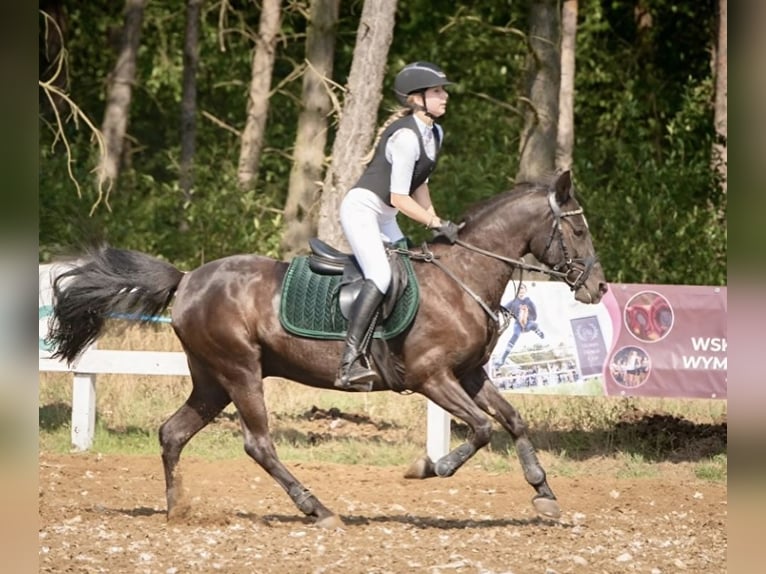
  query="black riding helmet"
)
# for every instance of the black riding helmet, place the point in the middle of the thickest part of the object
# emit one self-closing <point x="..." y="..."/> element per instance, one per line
<point x="418" y="77"/>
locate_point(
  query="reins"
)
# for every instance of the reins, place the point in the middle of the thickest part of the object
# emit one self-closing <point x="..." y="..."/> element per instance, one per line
<point x="581" y="267"/>
<point x="433" y="259"/>
<point x="427" y="256"/>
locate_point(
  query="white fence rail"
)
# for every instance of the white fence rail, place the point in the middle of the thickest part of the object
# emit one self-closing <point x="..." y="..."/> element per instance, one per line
<point x="96" y="361"/>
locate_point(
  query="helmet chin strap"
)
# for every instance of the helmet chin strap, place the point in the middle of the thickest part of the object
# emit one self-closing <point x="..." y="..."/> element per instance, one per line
<point x="423" y="108"/>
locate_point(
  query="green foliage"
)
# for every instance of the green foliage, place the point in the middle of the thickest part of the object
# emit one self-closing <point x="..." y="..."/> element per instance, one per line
<point x="654" y="202"/>
<point x="482" y="50"/>
<point x="643" y="113"/>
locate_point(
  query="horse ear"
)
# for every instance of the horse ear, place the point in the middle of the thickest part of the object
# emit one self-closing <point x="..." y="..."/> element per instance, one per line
<point x="563" y="187"/>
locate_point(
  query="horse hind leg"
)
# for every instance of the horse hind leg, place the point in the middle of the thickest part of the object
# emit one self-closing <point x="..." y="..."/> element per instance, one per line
<point x="205" y="402"/>
<point x="489" y="399"/>
<point x="247" y="395"/>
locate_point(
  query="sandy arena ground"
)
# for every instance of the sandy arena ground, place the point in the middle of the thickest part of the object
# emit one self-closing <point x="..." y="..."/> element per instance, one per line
<point x="107" y="514"/>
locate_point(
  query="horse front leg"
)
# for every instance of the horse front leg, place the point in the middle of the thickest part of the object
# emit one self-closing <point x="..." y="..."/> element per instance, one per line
<point x="488" y="398"/>
<point x="444" y="390"/>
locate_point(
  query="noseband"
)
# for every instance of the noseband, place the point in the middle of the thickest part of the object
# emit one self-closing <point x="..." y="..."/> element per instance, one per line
<point x="573" y="271"/>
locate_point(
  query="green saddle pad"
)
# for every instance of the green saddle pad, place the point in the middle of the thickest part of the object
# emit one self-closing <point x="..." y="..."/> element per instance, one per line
<point x="310" y="308"/>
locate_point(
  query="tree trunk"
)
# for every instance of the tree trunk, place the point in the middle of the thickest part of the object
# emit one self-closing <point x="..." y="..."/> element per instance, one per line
<point x="538" y="138"/>
<point x="565" y="135"/>
<point x="258" y="96"/>
<point x="721" y="93"/>
<point x="189" y="98"/>
<point x="119" y="93"/>
<point x="356" y="129"/>
<point x="311" y="139"/>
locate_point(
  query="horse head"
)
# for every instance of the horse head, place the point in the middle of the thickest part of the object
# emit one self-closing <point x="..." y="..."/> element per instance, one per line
<point x="563" y="243"/>
<point x="547" y="221"/>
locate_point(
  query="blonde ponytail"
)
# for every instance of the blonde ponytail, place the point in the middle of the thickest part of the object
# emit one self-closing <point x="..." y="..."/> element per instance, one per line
<point x="397" y="114"/>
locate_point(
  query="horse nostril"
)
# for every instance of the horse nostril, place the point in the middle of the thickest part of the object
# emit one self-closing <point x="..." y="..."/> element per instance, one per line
<point x="603" y="287"/>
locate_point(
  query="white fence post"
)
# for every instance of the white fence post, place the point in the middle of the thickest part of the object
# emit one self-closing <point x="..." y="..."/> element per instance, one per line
<point x="83" y="410"/>
<point x="102" y="361"/>
<point x="438" y="434"/>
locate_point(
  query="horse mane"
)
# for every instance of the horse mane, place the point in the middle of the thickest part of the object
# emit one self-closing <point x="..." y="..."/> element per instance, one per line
<point x="492" y="204"/>
<point x="517" y="192"/>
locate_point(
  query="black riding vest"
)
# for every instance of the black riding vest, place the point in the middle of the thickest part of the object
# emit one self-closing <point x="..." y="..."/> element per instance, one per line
<point x="377" y="174"/>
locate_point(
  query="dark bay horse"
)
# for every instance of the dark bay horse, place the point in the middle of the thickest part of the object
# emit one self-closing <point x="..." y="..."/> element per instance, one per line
<point x="225" y="314"/>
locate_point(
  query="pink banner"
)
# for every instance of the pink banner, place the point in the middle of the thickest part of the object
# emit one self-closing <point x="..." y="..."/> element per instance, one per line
<point x="641" y="340"/>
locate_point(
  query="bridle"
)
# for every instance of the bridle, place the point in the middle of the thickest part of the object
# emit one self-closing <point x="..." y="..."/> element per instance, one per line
<point x="572" y="271"/>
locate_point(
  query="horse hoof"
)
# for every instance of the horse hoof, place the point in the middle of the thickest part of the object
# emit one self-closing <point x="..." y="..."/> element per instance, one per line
<point x="179" y="513"/>
<point x="547" y="507"/>
<point x="421" y="468"/>
<point x="330" y="522"/>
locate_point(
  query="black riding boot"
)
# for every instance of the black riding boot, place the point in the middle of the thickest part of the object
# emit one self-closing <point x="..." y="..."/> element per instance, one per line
<point x="355" y="371"/>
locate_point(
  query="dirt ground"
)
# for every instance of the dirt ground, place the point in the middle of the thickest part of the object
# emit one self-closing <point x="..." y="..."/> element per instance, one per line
<point x="107" y="514"/>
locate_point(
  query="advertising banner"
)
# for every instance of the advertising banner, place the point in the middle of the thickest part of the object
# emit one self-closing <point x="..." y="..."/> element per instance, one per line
<point x="640" y="340"/>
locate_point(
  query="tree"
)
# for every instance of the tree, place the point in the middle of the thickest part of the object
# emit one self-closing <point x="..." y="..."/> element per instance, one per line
<point x="565" y="133"/>
<point x="644" y="122"/>
<point x="52" y="65"/>
<point x="54" y="82"/>
<point x="311" y="138"/>
<point x="538" y="137"/>
<point x="721" y="93"/>
<point x="258" y="96"/>
<point x="359" y="115"/>
<point x="119" y="93"/>
<point x="189" y="97"/>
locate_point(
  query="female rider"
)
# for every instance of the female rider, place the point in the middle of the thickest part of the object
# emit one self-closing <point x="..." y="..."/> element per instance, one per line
<point x="395" y="180"/>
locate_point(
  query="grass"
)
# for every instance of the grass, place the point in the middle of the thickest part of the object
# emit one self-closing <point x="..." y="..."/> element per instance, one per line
<point x="712" y="470"/>
<point x="572" y="433"/>
<point x="635" y="466"/>
<point x="590" y="387"/>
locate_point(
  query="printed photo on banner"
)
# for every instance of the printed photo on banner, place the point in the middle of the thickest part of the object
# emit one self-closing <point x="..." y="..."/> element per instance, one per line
<point x="552" y="342"/>
<point x="648" y="316"/>
<point x="630" y="367"/>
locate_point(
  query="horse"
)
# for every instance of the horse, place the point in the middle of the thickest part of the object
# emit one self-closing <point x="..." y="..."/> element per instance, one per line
<point x="225" y="314"/>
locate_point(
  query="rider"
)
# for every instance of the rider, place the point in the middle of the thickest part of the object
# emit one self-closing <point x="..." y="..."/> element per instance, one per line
<point x="395" y="179"/>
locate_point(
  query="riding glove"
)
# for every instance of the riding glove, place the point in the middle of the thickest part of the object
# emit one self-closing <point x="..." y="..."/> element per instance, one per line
<point x="447" y="230"/>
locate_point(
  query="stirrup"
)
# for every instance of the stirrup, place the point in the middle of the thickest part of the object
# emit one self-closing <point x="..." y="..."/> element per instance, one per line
<point x="364" y="387"/>
<point x="362" y="380"/>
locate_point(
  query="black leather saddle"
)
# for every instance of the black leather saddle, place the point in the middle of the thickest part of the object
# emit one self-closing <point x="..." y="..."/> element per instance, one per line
<point x="326" y="260"/>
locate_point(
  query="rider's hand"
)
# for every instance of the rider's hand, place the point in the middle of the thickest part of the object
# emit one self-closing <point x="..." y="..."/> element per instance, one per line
<point x="447" y="230"/>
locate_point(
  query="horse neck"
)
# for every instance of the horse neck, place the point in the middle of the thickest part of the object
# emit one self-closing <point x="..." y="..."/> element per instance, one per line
<point x="504" y="226"/>
<point x="507" y="224"/>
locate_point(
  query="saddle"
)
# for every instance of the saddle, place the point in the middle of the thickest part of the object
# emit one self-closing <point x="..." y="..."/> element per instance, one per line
<point x="326" y="260"/>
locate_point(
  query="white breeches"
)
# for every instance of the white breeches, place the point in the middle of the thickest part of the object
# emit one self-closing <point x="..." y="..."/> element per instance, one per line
<point x="367" y="223"/>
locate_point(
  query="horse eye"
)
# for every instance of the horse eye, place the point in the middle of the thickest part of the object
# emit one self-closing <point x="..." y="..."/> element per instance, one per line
<point x="579" y="231"/>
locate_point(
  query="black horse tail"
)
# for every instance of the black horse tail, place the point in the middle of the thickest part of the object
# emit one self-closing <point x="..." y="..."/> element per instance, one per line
<point x="105" y="283"/>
